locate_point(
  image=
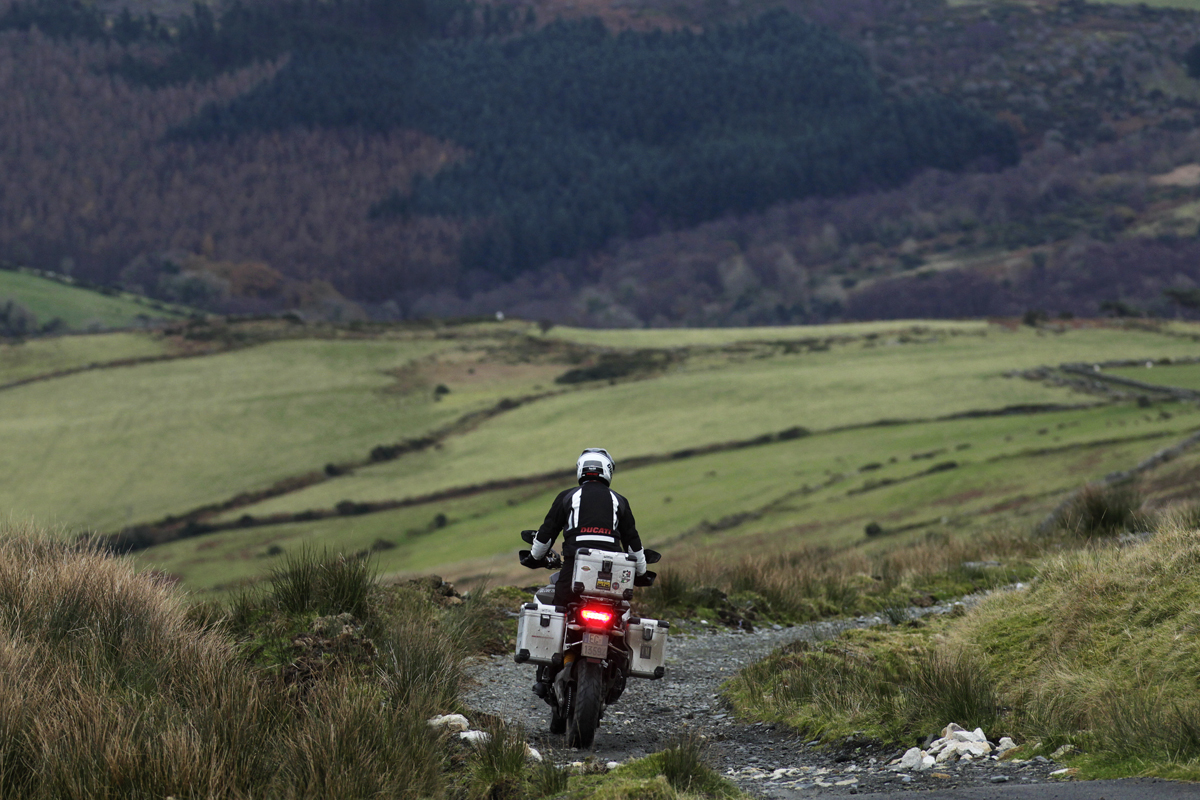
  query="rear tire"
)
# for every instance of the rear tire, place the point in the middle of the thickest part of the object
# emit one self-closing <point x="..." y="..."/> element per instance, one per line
<point x="585" y="706"/>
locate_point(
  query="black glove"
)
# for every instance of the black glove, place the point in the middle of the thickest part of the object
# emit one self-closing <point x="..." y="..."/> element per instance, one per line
<point x="646" y="579"/>
<point x="527" y="560"/>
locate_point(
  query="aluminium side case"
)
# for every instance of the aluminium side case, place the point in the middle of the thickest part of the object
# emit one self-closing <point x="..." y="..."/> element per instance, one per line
<point x="647" y="641"/>
<point x="540" y="632"/>
<point x="599" y="573"/>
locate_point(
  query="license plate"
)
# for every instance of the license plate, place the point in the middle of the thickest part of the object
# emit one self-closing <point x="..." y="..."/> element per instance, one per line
<point x="595" y="645"/>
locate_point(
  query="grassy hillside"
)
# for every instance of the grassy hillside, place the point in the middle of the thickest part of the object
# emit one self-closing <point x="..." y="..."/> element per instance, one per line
<point x="78" y="308"/>
<point x="736" y="395"/>
<point x="771" y="498"/>
<point x="54" y="355"/>
<point x="432" y="446"/>
<point x="1095" y="653"/>
<point x="144" y="441"/>
<point x="309" y="688"/>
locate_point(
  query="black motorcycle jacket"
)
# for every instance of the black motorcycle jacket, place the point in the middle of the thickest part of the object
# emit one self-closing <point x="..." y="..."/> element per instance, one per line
<point x="594" y="516"/>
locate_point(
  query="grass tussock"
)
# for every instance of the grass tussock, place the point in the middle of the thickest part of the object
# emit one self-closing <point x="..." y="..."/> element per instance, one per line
<point x="816" y="582"/>
<point x="547" y="779"/>
<point x="328" y="583"/>
<point x="498" y="765"/>
<point x="1099" y="511"/>
<point x="684" y="764"/>
<point x="111" y="687"/>
<point x="678" y="772"/>
<point x="1099" y="652"/>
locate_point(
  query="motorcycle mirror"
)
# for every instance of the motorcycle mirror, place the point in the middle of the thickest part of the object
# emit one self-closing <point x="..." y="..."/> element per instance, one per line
<point x="527" y="536"/>
<point x="645" y="580"/>
<point x="652" y="556"/>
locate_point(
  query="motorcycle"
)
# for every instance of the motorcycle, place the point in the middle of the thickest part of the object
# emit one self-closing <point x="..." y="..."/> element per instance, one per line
<point x="586" y="651"/>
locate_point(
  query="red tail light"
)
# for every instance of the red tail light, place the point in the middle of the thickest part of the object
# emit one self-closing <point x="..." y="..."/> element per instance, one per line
<point x="596" y="616"/>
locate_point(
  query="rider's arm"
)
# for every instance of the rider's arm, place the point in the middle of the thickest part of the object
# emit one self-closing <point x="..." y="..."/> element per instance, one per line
<point x="556" y="520"/>
<point x="629" y="534"/>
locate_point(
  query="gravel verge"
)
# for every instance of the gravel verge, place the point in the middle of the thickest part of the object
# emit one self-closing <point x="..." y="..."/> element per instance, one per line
<point x="765" y="760"/>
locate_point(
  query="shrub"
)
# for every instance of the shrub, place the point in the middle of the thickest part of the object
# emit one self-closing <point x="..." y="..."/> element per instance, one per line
<point x="683" y="762"/>
<point x="1191" y="58"/>
<point x="1103" y="511"/>
<point x="683" y="765"/>
<point x="498" y="764"/>
<point x="548" y="779"/>
<point x="952" y="686"/>
<point x="324" y="583"/>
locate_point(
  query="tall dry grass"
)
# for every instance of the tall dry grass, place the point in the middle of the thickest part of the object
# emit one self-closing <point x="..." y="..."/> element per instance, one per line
<point x="109" y="689"/>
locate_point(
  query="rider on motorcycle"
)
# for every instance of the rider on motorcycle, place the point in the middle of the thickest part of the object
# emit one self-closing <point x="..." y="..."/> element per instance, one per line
<point x="590" y="515"/>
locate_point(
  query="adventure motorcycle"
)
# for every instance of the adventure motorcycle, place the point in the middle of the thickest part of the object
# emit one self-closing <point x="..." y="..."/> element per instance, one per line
<point x="586" y="651"/>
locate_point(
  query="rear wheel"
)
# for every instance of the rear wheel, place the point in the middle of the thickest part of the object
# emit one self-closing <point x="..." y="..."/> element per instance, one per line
<point x="585" y="706"/>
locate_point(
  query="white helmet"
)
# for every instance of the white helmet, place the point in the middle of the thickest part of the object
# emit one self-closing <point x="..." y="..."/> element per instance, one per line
<point x="595" y="462"/>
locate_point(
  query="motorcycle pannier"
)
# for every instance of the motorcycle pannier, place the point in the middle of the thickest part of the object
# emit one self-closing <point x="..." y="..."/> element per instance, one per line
<point x="540" y="632"/>
<point x="647" y="639"/>
<point x="604" y="574"/>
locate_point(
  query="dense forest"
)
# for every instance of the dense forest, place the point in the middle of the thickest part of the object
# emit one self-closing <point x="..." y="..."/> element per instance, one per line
<point x="577" y="135"/>
<point x="443" y="158"/>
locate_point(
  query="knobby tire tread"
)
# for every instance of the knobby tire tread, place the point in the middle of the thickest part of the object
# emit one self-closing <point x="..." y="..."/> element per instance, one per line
<point x="585" y="710"/>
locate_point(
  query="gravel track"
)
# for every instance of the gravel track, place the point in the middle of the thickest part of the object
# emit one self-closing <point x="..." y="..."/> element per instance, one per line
<point x="762" y="759"/>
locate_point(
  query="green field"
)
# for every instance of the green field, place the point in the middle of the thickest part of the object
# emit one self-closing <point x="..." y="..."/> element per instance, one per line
<point x="1180" y="376"/>
<point x="50" y="355"/>
<point x="805" y="491"/>
<point x="109" y="447"/>
<point x="726" y="395"/>
<point x="103" y="448"/>
<point x="79" y="309"/>
<point x="691" y="337"/>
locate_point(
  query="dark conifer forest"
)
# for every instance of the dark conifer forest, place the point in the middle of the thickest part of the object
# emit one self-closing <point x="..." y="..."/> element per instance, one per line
<point x="573" y="131"/>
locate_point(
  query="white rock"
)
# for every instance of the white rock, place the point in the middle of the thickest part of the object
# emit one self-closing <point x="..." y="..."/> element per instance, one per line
<point x="1065" y="750"/>
<point x="927" y="762"/>
<point x="475" y="737"/>
<point x="450" y="722"/>
<point x="1059" y="772"/>
<point x="612" y="765"/>
<point x="531" y="752"/>
<point x="950" y="750"/>
<point x="951" y="728"/>
<point x="1006" y="744"/>
<point x="913" y="758"/>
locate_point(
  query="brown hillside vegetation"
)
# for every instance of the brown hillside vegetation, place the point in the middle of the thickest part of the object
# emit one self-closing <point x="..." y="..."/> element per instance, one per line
<point x="88" y="177"/>
<point x="1099" y="94"/>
